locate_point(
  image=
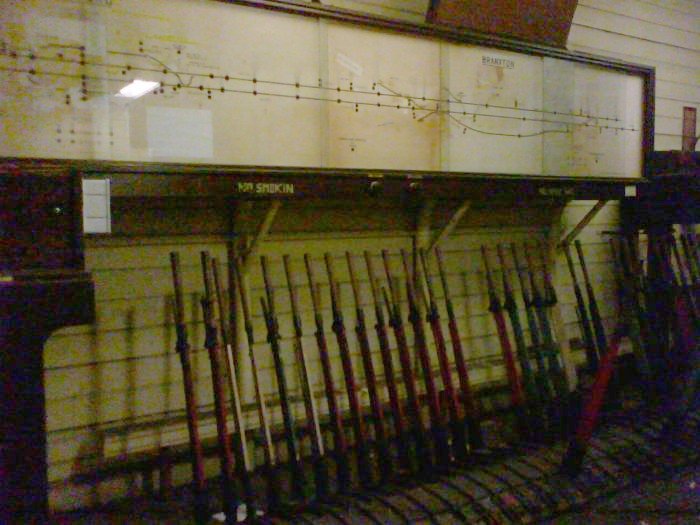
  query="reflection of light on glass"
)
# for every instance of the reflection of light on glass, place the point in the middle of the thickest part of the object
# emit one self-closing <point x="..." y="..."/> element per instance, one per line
<point x="138" y="88"/>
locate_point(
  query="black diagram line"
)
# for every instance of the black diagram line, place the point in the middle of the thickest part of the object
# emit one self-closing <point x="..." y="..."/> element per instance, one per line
<point x="413" y="101"/>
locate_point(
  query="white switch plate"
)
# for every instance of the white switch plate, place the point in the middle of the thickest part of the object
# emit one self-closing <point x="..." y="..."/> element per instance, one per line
<point x="97" y="217"/>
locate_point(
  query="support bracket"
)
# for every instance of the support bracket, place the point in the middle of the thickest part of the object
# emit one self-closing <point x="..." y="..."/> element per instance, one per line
<point x="585" y="221"/>
<point x="422" y="232"/>
<point x="451" y="224"/>
<point x="261" y="234"/>
<point x="421" y="236"/>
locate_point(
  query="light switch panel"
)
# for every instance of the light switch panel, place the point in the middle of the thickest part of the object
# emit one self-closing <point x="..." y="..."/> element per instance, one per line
<point x="96" y="206"/>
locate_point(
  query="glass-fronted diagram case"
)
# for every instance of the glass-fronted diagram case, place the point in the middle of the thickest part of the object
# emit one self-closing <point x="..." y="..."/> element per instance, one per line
<point x="241" y="86"/>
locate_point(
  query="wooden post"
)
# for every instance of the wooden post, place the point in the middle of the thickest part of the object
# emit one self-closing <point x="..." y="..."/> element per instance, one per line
<point x="29" y="312"/>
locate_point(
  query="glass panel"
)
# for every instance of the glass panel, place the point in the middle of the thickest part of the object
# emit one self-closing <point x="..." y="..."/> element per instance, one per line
<point x="494" y="111"/>
<point x="209" y="82"/>
<point x="387" y="76"/>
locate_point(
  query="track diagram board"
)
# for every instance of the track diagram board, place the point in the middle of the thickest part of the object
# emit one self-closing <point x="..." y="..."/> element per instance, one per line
<point x="243" y="86"/>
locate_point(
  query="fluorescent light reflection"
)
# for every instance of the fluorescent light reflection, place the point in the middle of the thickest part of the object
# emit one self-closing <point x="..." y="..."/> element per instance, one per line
<point x="138" y="88"/>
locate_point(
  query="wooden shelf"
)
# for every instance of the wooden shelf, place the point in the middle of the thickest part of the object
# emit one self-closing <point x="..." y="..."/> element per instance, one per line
<point x="260" y="182"/>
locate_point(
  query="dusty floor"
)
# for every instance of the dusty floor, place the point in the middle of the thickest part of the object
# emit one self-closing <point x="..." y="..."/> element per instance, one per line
<point x="670" y="501"/>
<point x="674" y="500"/>
<point x="629" y="477"/>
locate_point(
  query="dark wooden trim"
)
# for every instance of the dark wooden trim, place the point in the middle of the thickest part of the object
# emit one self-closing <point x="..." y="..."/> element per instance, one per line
<point x="77" y="242"/>
<point x="158" y="180"/>
<point x="49" y="166"/>
<point x="431" y="14"/>
<point x="30" y="310"/>
<point x="648" y="111"/>
<point x="41" y="228"/>
<point x="674" y="164"/>
<point x="672" y="195"/>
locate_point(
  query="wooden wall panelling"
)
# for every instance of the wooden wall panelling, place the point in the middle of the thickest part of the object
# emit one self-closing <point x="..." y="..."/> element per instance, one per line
<point x="678" y="88"/>
<point x="648" y="50"/>
<point x="629" y="24"/>
<point x="661" y="13"/>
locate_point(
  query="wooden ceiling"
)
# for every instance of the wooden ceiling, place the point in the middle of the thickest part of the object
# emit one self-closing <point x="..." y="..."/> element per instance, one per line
<point x="540" y="21"/>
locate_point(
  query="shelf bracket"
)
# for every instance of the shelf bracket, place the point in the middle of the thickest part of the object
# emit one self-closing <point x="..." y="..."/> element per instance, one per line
<point x="422" y="233"/>
<point x="247" y="259"/>
<point x="451" y="225"/>
<point x="421" y="238"/>
<point x="261" y="234"/>
<point x="585" y="221"/>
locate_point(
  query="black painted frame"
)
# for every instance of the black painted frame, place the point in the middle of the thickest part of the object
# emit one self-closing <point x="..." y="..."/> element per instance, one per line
<point x="157" y="180"/>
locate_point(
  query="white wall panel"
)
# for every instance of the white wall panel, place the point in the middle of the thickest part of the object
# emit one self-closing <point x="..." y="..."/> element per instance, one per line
<point x="624" y="24"/>
<point x="645" y="50"/>
<point x="660" y="14"/>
